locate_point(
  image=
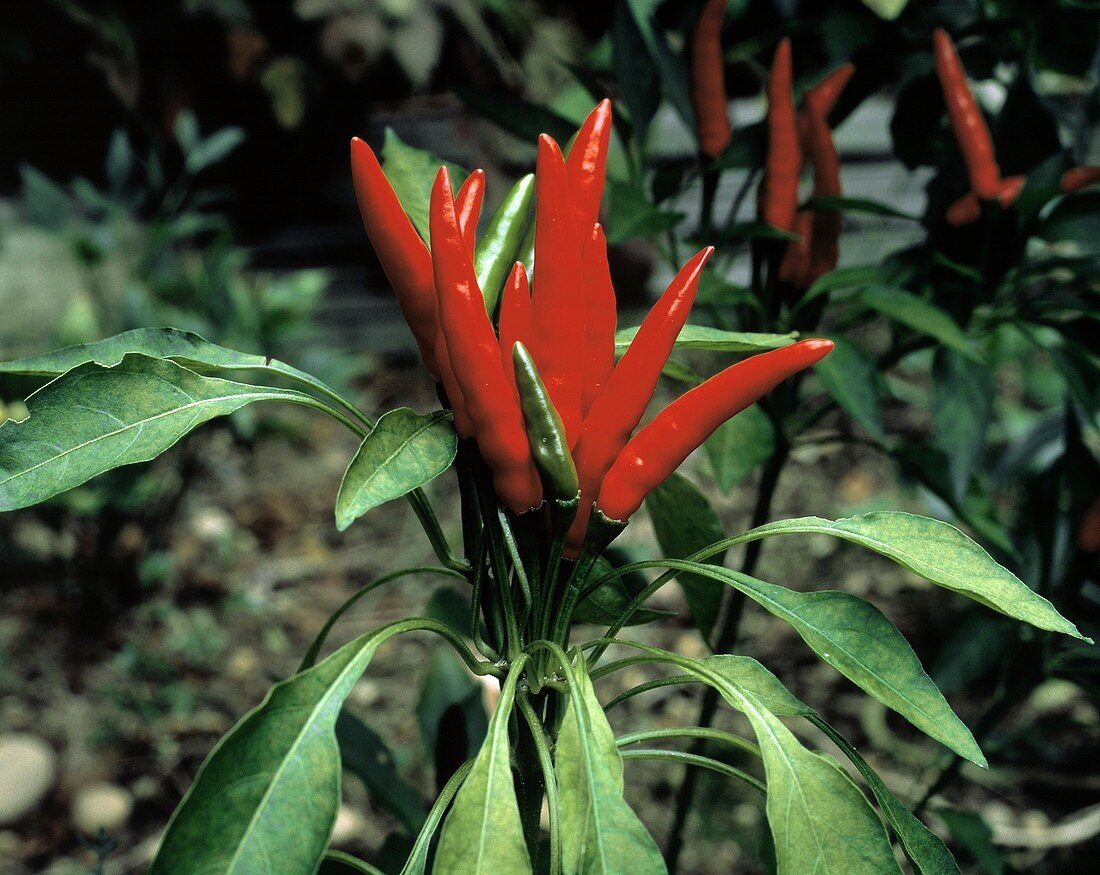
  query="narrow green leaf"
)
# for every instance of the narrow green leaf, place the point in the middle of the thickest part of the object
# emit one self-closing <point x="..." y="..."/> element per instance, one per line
<point x="404" y="451"/>
<point x="265" y="799"/>
<point x="739" y="445"/>
<point x="856" y="639"/>
<point x="714" y="339"/>
<point x="962" y="407"/>
<point x="851" y="376"/>
<point x="925" y="850"/>
<point x="938" y="552"/>
<point x="95" y="418"/>
<point x="604" y="604"/>
<point x="483" y="834"/>
<point x="183" y="347"/>
<point x="631" y="214"/>
<point x="521" y="118"/>
<point x="858" y="205"/>
<point x="973" y="833"/>
<point x="920" y="315"/>
<point x="601" y="835"/>
<point x="411" y="172"/>
<point x="684" y="523"/>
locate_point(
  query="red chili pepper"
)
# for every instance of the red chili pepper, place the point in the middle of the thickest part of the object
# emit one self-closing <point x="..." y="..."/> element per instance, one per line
<point x="619" y="408"/>
<point x="708" y="81"/>
<point x="404" y="257"/>
<point x="475" y="358"/>
<point x="823" y="96"/>
<point x="468" y="206"/>
<point x="514" y="322"/>
<point x="659" y="448"/>
<point x="795" y="268"/>
<point x="1088" y="533"/>
<point x="779" y="199"/>
<point x="827" y="224"/>
<point x="967" y="121"/>
<point x="558" y="297"/>
<point x="586" y="163"/>
<point x="1080" y="177"/>
<point x="968" y="208"/>
<point x="600" y="318"/>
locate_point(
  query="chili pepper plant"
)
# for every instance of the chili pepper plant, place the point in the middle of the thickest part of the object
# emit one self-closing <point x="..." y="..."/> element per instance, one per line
<point x="543" y="430"/>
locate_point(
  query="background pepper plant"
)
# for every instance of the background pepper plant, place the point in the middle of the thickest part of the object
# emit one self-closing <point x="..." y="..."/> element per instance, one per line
<point x="534" y="437"/>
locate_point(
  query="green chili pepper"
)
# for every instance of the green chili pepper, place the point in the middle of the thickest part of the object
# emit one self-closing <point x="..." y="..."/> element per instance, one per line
<point x="544" y="430"/>
<point x="498" y="248"/>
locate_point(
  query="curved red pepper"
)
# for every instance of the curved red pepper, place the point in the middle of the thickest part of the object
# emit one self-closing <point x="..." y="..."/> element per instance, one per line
<point x="1080" y="177"/>
<point x="659" y="448"/>
<point x="558" y="296"/>
<point x="404" y="257"/>
<point x="708" y="81"/>
<point x="967" y="121"/>
<point x="475" y="358"/>
<point x="779" y="199"/>
<point x="796" y="267"/>
<point x="600" y="318"/>
<point x="619" y="408"/>
<point x="586" y="163"/>
<point x="514" y="323"/>
<point x="968" y="208"/>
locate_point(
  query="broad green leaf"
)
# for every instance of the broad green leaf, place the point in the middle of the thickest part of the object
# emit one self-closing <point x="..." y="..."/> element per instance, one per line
<point x="95" y="418"/>
<point x="483" y="834"/>
<point x="450" y="712"/>
<point x="739" y="445"/>
<point x="184" y="348"/>
<point x="630" y="213"/>
<point x="366" y="755"/>
<point x="856" y="639"/>
<point x="925" y="850"/>
<point x="265" y="799"/>
<point x="846" y="279"/>
<point x="888" y="9"/>
<point x="751" y="677"/>
<point x="714" y="339"/>
<point x="411" y="172"/>
<point x="404" y="451"/>
<point x="969" y="830"/>
<point x="962" y="406"/>
<point x="601" y="835"/>
<point x="635" y="70"/>
<point x="852" y="378"/>
<point x="819" y="819"/>
<point x="684" y="523"/>
<point x="938" y="552"/>
<point x="499" y="247"/>
<point x="920" y="315"/>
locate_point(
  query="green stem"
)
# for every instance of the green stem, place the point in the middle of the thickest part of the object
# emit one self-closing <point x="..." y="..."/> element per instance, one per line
<point x="704" y="732"/>
<point x="418" y="857"/>
<point x="550" y="784"/>
<point x="476" y="609"/>
<point x="692" y="759"/>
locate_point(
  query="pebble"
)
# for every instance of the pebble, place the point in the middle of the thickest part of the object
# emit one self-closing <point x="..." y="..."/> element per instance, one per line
<point x="28" y="768"/>
<point x="101" y="806"/>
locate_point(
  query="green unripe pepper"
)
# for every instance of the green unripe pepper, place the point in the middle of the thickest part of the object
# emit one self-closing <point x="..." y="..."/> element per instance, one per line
<point x="499" y="247"/>
<point x="545" y="431"/>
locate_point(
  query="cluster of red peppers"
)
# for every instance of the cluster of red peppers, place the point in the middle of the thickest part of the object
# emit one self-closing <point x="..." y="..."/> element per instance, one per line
<point x="976" y="144"/>
<point x="567" y="322"/>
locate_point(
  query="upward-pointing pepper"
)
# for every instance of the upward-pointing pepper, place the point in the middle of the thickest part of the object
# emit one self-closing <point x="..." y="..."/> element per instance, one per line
<point x="708" y="83"/>
<point x="783" y="165"/>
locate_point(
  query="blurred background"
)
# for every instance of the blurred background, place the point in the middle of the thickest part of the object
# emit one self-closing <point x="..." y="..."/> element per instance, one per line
<point x="184" y="163"/>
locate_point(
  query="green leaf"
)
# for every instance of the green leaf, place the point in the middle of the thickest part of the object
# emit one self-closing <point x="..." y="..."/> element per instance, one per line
<point x="751" y="677"/>
<point x="739" y="445"/>
<point x="940" y="553"/>
<point x="924" y="849"/>
<point x="519" y="117"/>
<point x="483" y="834"/>
<point x="888" y="9"/>
<point x="920" y="315"/>
<point x="411" y="172"/>
<point x="182" y="347"/>
<point x="714" y="339"/>
<point x="962" y="407"/>
<point x="265" y="799"/>
<point x="605" y="604"/>
<point x="366" y="755"/>
<point x="630" y="214"/>
<point x="973" y="833"/>
<point x="858" y="205"/>
<point x="671" y="68"/>
<point x="212" y="149"/>
<point x="684" y="523"/>
<point x="337" y="862"/>
<point x="635" y="69"/>
<point x="850" y="375"/>
<point x="601" y="835"/>
<point x="856" y="639"/>
<point x="94" y="418"/>
<point x="404" y="451"/>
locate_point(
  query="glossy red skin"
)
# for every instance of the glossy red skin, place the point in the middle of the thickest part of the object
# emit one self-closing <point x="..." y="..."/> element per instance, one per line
<point x="558" y="296"/>
<point x="967" y="121"/>
<point x="514" y="322"/>
<point x="783" y="166"/>
<point x="662" y="445"/>
<point x="475" y="358"/>
<point x="468" y="200"/>
<point x="586" y="164"/>
<point x="601" y="318"/>
<point x="708" y="82"/>
<point x="617" y="410"/>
